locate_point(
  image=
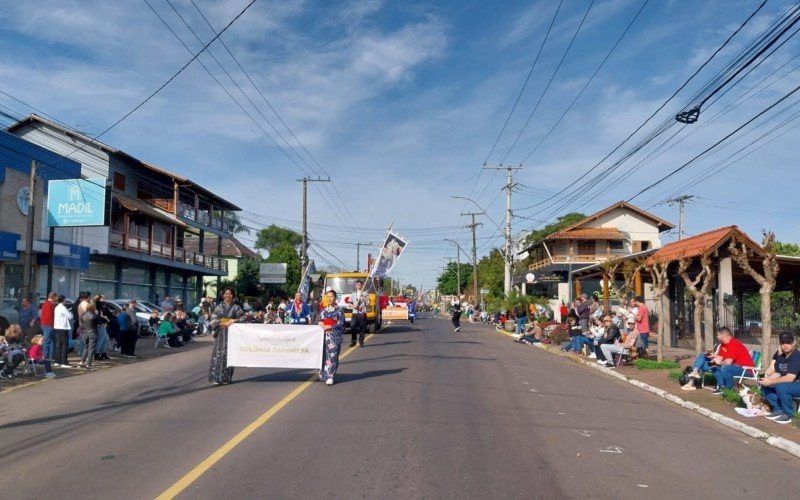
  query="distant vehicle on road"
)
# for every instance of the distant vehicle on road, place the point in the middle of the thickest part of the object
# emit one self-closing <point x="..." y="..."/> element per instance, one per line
<point x="345" y="283"/>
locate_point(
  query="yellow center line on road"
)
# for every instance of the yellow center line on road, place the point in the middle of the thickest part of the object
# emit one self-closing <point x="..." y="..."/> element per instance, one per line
<point x="226" y="448"/>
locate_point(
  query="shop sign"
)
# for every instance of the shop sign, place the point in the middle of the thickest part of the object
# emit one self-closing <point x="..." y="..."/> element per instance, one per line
<point x="76" y="202"/>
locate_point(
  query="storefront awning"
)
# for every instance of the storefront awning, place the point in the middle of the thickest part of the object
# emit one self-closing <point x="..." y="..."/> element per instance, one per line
<point x="8" y="246"/>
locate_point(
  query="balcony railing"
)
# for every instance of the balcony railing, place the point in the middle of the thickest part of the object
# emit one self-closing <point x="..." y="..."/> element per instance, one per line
<point x="563" y="259"/>
<point x="165" y="204"/>
<point x="149" y="247"/>
<point x="203" y="217"/>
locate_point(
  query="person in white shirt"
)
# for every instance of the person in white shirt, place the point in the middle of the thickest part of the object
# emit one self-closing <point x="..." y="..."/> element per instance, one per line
<point x="62" y="327"/>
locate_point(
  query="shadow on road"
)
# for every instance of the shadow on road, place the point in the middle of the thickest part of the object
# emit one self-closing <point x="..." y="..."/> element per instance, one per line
<point x="390" y="343"/>
<point x="352" y="377"/>
<point x="350" y="362"/>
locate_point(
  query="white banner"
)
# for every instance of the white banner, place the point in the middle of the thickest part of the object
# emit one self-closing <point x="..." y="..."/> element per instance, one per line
<point x="275" y="346"/>
<point x="391" y="250"/>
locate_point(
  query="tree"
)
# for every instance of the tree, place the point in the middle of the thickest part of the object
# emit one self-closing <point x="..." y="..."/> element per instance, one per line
<point x="285" y="253"/>
<point x="658" y="272"/>
<point x="247" y="282"/>
<point x="448" y="280"/>
<point x="701" y="295"/>
<point x="234" y="223"/>
<point x="766" y="280"/>
<point x="561" y="223"/>
<point x="792" y="249"/>
<point x="491" y="272"/>
<point x="273" y="236"/>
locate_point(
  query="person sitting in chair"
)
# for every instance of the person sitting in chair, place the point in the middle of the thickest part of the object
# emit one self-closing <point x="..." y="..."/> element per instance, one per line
<point x="781" y="382"/>
<point x="609" y="350"/>
<point x="725" y="365"/>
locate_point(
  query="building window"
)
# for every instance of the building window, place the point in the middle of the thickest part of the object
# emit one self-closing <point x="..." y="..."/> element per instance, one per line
<point x="119" y="181"/>
<point x="641" y="246"/>
<point x="616" y="245"/>
<point x="586" y="248"/>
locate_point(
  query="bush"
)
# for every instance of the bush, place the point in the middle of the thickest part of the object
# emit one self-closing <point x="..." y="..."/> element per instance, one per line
<point x="675" y="374"/>
<point x="648" y="364"/>
<point x="557" y="333"/>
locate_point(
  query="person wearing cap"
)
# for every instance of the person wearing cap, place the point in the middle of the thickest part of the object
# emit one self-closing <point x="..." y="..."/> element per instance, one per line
<point x="781" y="382"/>
<point x="609" y="350"/>
<point x="726" y="364"/>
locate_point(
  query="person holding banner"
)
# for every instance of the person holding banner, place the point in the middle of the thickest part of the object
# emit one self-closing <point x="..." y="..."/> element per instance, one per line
<point x="332" y="321"/>
<point x="359" y="300"/>
<point x="225" y="314"/>
<point x="299" y="312"/>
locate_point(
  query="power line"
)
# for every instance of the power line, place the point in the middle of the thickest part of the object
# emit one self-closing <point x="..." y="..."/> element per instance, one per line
<point x="597" y="70"/>
<point x="593" y="180"/>
<point x="547" y="87"/>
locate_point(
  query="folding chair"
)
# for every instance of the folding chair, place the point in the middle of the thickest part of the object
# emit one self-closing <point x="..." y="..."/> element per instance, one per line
<point x="33" y="366"/>
<point x="159" y="338"/>
<point x="752" y="372"/>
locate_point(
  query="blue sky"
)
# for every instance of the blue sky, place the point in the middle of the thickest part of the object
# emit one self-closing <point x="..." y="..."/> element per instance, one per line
<point x="400" y="103"/>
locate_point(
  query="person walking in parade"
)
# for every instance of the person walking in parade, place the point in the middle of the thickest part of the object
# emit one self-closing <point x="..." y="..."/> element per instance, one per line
<point x="225" y="314"/>
<point x="359" y="300"/>
<point x="332" y="321"/>
<point x="456" y="316"/>
<point x="299" y="312"/>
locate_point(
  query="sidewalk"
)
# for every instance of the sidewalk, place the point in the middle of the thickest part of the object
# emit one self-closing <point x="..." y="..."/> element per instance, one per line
<point x="144" y="349"/>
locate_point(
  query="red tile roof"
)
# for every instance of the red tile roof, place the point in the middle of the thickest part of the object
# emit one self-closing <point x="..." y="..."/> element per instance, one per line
<point x="702" y="244"/>
<point x="588" y="233"/>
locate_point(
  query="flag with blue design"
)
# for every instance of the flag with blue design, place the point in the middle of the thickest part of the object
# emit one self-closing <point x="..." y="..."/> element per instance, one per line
<point x="305" y="283"/>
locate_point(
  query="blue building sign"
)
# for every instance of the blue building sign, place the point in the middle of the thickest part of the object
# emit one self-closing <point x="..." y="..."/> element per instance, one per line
<point x="8" y="246"/>
<point x="78" y="258"/>
<point x="76" y="202"/>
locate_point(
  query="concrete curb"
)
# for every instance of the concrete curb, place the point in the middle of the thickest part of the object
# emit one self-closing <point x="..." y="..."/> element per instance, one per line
<point x="778" y="442"/>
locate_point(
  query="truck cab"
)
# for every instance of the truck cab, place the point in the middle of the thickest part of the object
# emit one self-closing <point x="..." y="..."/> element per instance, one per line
<point x="344" y="284"/>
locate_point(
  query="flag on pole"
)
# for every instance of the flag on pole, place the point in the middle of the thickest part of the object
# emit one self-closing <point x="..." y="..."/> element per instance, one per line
<point x="305" y="282"/>
<point x="390" y="252"/>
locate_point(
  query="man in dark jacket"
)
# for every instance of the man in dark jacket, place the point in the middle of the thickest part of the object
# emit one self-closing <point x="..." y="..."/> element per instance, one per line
<point x="611" y="335"/>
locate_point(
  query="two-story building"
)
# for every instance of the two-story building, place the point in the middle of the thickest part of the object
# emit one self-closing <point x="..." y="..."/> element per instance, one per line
<point x="616" y="231"/>
<point x="153" y="216"/>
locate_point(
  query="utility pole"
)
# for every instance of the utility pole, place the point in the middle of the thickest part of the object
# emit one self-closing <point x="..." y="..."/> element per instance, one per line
<point x="304" y="245"/>
<point x="358" y="254"/>
<point x="680" y="201"/>
<point x="509" y="258"/>
<point x="26" y="278"/>
<point x="474" y="226"/>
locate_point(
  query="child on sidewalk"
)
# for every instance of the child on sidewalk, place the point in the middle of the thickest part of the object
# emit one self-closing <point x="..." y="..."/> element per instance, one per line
<point x="36" y="353"/>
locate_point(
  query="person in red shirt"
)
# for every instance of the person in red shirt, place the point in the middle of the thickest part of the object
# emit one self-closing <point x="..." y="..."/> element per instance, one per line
<point x="563" y="311"/>
<point x="727" y="363"/>
<point x="642" y="321"/>
<point x="47" y="320"/>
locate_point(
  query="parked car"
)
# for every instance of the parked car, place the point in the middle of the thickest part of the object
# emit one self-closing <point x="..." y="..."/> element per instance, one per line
<point x="142" y="314"/>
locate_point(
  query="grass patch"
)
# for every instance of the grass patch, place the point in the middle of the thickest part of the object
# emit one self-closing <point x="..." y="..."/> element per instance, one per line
<point x="649" y="364"/>
<point x="732" y="396"/>
<point x="675" y="374"/>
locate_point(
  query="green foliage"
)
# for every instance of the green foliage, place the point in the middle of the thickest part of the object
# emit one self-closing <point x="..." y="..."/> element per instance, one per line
<point x="649" y="364"/>
<point x="674" y="374"/>
<point x="247" y="277"/>
<point x="272" y="236"/>
<point x="285" y="253"/>
<point x="562" y="222"/>
<point x="732" y="396"/>
<point x="491" y="272"/>
<point x="448" y="280"/>
<point x="787" y="248"/>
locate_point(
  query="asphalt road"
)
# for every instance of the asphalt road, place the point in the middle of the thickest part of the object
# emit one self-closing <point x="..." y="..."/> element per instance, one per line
<point x="420" y="412"/>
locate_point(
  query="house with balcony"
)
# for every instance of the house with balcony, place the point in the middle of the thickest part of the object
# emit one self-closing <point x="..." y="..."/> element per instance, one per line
<point x="153" y="216"/>
<point x="617" y="231"/>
